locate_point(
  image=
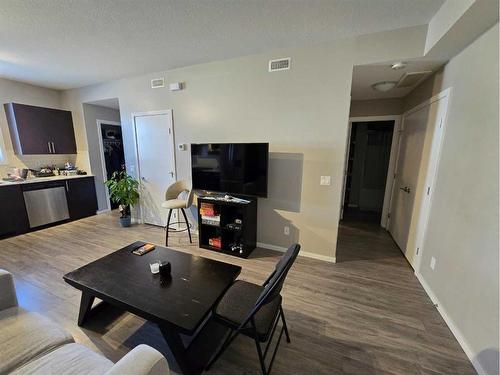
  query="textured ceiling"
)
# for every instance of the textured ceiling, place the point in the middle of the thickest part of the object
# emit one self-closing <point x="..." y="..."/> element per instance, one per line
<point x="73" y="43"/>
<point x="364" y="76"/>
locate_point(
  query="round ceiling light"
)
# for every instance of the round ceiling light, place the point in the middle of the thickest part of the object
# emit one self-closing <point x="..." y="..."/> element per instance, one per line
<point x="398" y="65"/>
<point x="384" y="86"/>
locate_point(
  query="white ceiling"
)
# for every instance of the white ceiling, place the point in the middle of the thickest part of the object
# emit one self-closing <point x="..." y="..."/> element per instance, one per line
<point x="72" y="43"/>
<point x="364" y="76"/>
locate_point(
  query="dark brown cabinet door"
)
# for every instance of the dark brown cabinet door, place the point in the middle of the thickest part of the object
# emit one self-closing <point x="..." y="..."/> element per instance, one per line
<point x="82" y="200"/>
<point x="38" y="130"/>
<point x="13" y="220"/>
<point x="63" y="135"/>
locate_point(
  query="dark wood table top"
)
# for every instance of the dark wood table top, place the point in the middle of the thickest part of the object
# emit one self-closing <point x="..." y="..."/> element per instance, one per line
<point x="183" y="300"/>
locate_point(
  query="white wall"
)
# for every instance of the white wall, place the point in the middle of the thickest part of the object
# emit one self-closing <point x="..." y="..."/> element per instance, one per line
<point x="92" y="113"/>
<point x="12" y="91"/>
<point x="376" y="107"/>
<point x="302" y="112"/>
<point x="463" y="226"/>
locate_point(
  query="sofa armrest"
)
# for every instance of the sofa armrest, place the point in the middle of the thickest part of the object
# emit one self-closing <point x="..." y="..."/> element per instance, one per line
<point x="8" y="296"/>
<point x="142" y="360"/>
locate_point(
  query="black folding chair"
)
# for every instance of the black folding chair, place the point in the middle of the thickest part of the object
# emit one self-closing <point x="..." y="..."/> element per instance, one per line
<point x="255" y="310"/>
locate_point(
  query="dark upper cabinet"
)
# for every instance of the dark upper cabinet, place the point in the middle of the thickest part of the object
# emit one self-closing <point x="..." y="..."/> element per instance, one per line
<point x="38" y="130"/>
<point x="82" y="200"/>
<point x="13" y="219"/>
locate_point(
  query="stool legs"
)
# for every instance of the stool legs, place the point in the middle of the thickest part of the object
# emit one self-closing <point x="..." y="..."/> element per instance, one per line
<point x="187" y="224"/>
<point x="168" y="225"/>
<point x="166" y="228"/>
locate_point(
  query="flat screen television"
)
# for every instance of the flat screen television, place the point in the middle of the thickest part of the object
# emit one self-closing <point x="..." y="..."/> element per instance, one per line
<point x="233" y="168"/>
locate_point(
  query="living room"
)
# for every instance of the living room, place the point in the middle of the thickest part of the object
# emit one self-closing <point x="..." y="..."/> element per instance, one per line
<point x="215" y="90"/>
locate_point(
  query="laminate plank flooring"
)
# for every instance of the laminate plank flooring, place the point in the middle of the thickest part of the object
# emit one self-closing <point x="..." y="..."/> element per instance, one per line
<point x="367" y="314"/>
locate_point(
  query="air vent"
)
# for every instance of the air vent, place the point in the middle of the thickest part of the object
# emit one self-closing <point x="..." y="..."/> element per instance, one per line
<point x="279" y="64"/>
<point x="158" y="83"/>
<point x="410" y="79"/>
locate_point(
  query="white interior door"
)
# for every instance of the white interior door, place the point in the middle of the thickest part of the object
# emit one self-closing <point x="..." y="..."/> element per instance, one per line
<point x="419" y="149"/>
<point x="410" y="154"/>
<point x="156" y="163"/>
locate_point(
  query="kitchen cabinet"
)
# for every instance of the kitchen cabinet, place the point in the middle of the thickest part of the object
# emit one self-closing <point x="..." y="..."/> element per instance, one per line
<point x="82" y="200"/>
<point x="38" y="130"/>
<point x="13" y="219"/>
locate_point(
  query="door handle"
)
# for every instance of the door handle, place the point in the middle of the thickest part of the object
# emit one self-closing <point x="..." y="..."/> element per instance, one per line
<point x="143" y="179"/>
<point x="406" y="189"/>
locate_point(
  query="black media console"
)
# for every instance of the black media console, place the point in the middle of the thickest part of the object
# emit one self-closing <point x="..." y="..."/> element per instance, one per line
<point x="228" y="224"/>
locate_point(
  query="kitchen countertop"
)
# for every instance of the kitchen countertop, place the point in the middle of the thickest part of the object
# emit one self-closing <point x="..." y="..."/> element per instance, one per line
<point x="42" y="179"/>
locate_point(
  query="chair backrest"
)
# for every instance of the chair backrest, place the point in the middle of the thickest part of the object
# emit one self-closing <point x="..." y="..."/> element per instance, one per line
<point x="178" y="187"/>
<point x="274" y="284"/>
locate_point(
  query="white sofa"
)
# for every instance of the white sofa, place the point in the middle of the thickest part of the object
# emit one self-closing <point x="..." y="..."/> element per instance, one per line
<point x="32" y="344"/>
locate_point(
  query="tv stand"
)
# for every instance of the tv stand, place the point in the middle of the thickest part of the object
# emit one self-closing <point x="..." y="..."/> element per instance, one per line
<point x="227" y="224"/>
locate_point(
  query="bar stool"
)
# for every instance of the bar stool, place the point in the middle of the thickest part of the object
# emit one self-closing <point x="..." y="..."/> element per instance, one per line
<point x="173" y="202"/>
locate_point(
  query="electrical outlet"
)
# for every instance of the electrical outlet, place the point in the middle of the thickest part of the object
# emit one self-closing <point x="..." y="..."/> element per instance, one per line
<point x="325" y="180"/>
<point x="433" y="263"/>
<point x="286" y="230"/>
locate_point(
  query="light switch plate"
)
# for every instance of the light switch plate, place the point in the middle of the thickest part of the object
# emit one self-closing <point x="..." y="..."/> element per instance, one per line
<point x="433" y="263"/>
<point x="325" y="180"/>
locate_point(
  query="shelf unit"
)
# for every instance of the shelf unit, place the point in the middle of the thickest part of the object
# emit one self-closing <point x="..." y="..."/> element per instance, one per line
<point x="229" y="211"/>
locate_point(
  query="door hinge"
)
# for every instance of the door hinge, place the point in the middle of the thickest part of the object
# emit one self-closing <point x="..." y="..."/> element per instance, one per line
<point x="169" y="130"/>
<point x="418" y="249"/>
<point x="428" y="190"/>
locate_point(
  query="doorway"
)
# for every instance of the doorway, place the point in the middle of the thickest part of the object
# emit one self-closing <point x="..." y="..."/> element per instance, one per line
<point x="113" y="155"/>
<point x="155" y="155"/>
<point x="98" y="115"/>
<point x="369" y="167"/>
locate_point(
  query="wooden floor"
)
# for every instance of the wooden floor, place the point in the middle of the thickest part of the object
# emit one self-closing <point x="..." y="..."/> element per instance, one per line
<point x="367" y="314"/>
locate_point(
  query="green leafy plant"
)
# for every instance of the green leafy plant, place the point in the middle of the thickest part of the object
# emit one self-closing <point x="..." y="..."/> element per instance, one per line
<point x="124" y="191"/>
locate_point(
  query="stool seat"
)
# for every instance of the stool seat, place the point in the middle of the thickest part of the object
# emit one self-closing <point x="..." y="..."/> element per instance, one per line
<point x="175" y="203"/>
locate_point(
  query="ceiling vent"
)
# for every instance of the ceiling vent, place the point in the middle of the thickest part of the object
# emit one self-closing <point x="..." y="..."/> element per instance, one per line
<point x="158" y="83"/>
<point x="279" y="64"/>
<point x="410" y="79"/>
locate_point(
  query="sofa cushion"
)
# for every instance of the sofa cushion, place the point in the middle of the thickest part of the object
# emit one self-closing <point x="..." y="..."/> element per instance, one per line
<point x="25" y="335"/>
<point x="67" y="360"/>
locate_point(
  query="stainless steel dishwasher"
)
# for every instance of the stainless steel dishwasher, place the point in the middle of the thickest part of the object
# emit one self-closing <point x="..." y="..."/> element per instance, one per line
<point x="46" y="203"/>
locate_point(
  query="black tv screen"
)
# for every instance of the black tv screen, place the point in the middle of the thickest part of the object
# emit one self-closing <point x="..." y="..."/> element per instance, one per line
<point x="233" y="168"/>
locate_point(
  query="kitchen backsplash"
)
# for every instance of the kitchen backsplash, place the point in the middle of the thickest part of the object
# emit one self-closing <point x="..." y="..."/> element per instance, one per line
<point x="36" y="162"/>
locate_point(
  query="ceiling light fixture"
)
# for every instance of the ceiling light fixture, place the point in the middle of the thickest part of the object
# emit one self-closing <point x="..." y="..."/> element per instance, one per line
<point x="384" y="86"/>
<point x="398" y="65"/>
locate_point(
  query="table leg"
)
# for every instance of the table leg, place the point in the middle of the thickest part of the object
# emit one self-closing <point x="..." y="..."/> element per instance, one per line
<point x="178" y="349"/>
<point x="85" y="306"/>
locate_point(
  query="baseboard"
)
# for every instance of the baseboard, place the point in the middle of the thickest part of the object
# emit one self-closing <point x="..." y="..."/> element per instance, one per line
<point x="271" y="247"/>
<point x="452" y="326"/>
<point x="100" y="212"/>
<point x="306" y="254"/>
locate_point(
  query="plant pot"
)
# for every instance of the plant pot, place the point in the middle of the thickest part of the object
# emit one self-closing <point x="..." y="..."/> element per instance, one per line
<point x="125" y="221"/>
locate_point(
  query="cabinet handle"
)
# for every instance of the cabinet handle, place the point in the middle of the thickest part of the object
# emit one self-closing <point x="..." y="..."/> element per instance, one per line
<point x="67" y="186"/>
<point x="50" y="150"/>
<point x="53" y="148"/>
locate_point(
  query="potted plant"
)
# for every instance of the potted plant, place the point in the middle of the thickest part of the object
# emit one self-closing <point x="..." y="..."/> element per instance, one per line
<point x="124" y="191"/>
